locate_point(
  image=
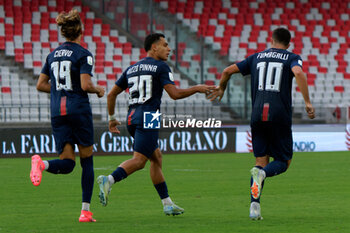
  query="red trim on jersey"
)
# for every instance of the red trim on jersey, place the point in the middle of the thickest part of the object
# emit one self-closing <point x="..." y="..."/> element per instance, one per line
<point x="129" y="117"/>
<point x="63" y="106"/>
<point x="265" y="115"/>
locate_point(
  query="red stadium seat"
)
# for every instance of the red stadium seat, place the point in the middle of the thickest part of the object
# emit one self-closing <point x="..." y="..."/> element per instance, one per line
<point x="6" y="89"/>
<point x="339" y="88"/>
<point x="209" y="82"/>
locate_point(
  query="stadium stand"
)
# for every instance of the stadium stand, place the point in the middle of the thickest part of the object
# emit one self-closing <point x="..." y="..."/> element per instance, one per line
<point x="239" y="28"/>
<point x="28" y="32"/>
<point x="234" y="29"/>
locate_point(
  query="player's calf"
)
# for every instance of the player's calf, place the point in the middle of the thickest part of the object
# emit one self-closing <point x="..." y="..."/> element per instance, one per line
<point x="275" y="168"/>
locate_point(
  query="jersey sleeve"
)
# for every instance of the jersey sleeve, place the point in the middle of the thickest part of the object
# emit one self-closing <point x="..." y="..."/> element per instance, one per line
<point x="296" y="61"/>
<point x="46" y="68"/>
<point x="122" y="82"/>
<point x="86" y="64"/>
<point x="165" y="75"/>
<point x="244" y="66"/>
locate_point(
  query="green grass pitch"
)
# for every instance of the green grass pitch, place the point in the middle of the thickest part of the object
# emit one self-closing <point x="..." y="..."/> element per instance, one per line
<point x="312" y="196"/>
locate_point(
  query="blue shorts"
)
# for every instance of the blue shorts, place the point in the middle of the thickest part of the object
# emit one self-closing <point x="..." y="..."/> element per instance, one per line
<point x="145" y="140"/>
<point x="72" y="129"/>
<point x="272" y="139"/>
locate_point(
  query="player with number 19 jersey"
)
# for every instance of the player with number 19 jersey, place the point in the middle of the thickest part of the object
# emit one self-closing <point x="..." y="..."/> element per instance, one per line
<point x="145" y="81"/>
<point x="71" y="116"/>
<point x="64" y="66"/>
<point x="271" y="84"/>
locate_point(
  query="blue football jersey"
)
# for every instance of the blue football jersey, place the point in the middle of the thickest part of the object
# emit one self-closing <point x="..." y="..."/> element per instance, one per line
<point x="145" y="81"/>
<point x="271" y="84"/>
<point x="64" y="66"/>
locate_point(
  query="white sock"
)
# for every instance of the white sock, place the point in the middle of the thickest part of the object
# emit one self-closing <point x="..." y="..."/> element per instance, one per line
<point x="46" y="164"/>
<point x="111" y="179"/>
<point x="86" y="206"/>
<point x="167" y="201"/>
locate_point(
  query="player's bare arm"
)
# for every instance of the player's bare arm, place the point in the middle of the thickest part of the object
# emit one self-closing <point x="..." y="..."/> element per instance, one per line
<point x="88" y="86"/>
<point x="225" y="76"/>
<point x="43" y="83"/>
<point x="177" y="93"/>
<point x="111" y="99"/>
<point x="302" y="84"/>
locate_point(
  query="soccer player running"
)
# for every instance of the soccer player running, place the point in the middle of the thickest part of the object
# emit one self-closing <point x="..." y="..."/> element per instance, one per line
<point x="67" y="76"/>
<point x="146" y="80"/>
<point x="271" y="73"/>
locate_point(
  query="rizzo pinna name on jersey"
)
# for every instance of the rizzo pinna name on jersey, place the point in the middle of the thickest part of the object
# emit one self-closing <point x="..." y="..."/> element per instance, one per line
<point x="63" y="53"/>
<point x="142" y="67"/>
<point x="282" y="56"/>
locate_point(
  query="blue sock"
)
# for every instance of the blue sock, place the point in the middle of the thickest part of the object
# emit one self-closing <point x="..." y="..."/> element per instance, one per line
<point x="119" y="174"/>
<point x="276" y="167"/>
<point x="162" y="190"/>
<point x="58" y="166"/>
<point x="87" y="178"/>
<point x="251" y="183"/>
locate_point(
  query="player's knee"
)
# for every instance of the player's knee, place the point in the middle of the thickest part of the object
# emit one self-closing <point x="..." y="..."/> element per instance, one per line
<point x="68" y="166"/>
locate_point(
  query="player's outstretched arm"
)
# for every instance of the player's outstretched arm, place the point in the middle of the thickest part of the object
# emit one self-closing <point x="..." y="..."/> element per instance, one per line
<point x="111" y="99"/>
<point x="177" y="93"/>
<point x="225" y="76"/>
<point x="43" y="83"/>
<point x="302" y="84"/>
<point x="88" y="86"/>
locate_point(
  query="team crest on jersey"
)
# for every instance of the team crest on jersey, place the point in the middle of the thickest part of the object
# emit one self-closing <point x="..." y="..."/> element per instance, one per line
<point x="171" y="77"/>
<point x="89" y="60"/>
<point x="151" y="120"/>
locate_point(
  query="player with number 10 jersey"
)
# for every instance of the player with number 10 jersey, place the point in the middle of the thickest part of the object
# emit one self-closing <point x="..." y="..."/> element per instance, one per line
<point x="272" y="72"/>
<point x="271" y="84"/>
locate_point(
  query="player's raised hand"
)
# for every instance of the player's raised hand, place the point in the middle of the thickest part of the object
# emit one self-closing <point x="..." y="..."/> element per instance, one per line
<point x="310" y="110"/>
<point x="101" y="92"/>
<point x="113" y="126"/>
<point x="216" y="92"/>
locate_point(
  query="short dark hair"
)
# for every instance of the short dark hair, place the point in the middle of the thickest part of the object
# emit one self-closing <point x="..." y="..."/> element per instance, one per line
<point x="281" y="35"/>
<point x="152" y="38"/>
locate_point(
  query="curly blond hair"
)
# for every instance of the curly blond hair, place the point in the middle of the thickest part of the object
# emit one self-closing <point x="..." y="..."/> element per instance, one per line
<point x="70" y="23"/>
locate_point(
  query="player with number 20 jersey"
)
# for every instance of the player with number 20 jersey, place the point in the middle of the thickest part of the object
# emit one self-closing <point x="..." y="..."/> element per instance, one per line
<point x="146" y="80"/>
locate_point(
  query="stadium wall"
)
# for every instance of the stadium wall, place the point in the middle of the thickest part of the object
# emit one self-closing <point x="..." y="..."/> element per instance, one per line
<point x="24" y="142"/>
<point x="306" y="138"/>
